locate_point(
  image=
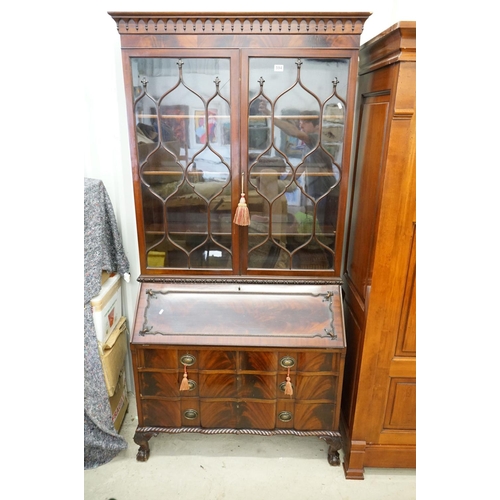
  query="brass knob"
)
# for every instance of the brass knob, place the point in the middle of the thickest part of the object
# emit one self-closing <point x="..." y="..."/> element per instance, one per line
<point x="287" y="362"/>
<point x="188" y="360"/>
<point x="191" y="414"/>
<point x="285" y="416"/>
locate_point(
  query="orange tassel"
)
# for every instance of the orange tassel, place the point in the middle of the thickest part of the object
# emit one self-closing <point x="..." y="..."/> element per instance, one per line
<point x="288" y="385"/>
<point x="242" y="214"/>
<point x="184" y="384"/>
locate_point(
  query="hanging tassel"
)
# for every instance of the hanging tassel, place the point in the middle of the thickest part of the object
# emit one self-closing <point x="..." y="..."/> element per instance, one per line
<point x="242" y="215"/>
<point x="184" y="384"/>
<point x="288" y="385"/>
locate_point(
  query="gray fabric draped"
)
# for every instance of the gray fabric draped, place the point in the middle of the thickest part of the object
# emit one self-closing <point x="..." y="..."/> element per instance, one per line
<point x="103" y="252"/>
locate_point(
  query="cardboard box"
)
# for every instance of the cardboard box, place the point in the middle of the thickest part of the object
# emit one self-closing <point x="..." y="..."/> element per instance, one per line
<point x="113" y="353"/>
<point x="119" y="401"/>
<point x="107" y="307"/>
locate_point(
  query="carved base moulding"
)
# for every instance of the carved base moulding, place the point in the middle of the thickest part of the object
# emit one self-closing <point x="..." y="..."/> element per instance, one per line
<point x="144" y="434"/>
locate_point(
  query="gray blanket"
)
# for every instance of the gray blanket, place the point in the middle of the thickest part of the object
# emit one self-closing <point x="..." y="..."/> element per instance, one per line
<point x="103" y="252"/>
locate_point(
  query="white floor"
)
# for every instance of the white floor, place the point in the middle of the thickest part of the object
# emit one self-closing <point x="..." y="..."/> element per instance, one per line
<point x="236" y="467"/>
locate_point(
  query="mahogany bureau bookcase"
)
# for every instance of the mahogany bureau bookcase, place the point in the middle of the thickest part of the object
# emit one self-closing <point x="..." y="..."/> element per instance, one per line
<point x="240" y="136"/>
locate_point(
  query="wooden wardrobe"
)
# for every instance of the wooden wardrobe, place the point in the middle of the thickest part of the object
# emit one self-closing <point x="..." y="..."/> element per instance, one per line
<point x="378" y="421"/>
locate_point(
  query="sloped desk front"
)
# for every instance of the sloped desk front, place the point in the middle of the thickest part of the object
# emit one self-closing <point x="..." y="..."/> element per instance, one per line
<point x="237" y="345"/>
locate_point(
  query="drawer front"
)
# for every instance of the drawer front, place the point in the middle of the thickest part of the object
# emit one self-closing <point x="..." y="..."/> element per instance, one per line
<point x="162" y="384"/>
<point x="318" y="361"/>
<point x="159" y="358"/>
<point x="256" y="414"/>
<point x="314" y="416"/>
<point x="257" y="386"/>
<point x="218" y="385"/>
<point x="258" y="360"/>
<point x="309" y="386"/>
<point x="161" y="413"/>
<point x="216" y="360"/>
<point x="219" y="414"/>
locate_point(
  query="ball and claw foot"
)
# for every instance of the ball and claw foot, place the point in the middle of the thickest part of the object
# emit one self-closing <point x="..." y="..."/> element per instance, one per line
<point x="335" y="443"/>
<point x="142" y="439"/>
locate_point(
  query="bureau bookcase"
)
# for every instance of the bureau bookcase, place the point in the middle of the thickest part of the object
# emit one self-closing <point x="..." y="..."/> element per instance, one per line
<point x="240" y="132"/>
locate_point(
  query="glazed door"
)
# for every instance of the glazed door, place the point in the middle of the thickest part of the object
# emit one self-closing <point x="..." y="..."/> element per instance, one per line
<point x="295" y="120"/>
<point x="210" y="123"/>
<point x="186" y="154"/>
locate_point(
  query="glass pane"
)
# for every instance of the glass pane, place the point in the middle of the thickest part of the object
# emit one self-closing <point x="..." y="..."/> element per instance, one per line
<point x="295" y="135"/>
<point x="183" y="140"/>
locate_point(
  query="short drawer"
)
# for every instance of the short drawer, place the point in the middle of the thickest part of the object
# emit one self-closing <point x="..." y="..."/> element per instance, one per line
<point x="158" y="358"/>
<point x="312" y="386"/>
<point x="163" y="384"/>
<point x="258" y="360"/>
<point x="314" y="416"/>
<point x="217" y="385"/>
<point x="216" y="360"/>
<point x="318" y="361"/>
<point x="257" y="386"/>
<point x="161" y="413"/>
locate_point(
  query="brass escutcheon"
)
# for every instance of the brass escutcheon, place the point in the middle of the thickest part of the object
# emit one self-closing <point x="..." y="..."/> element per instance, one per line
<point x="191" y="414"/>
<point x="287" y="362"/>
<point x="282" y="386"/>
<point x="192" y="385"/>
<point x="188" y="360"/>
<point x="285" y="416"/>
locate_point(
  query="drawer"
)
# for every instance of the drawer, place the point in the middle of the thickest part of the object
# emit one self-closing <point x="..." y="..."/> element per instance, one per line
<point x="309" y="386"/>
<point x="164" y="384"/>
<point x="170" y="413"/>
<point x="158" y="358"/>
<point x="318" y="361"/>
<point x="257" y="414"/>
<point x="161" y="413"/>
<point x="216" y="360"/>
<point x="258" y="360"/>
<point x="219" y="414"/>
<point x="257" y="386"/>
<point x="217" y="385"/>
<point x="314" y="416"/>
<point x="237" y="414"/>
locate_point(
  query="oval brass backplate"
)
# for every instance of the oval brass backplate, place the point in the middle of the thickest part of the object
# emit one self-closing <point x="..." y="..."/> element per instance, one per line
<point x="191" y="414"/>
<point x="188" y="360"/>
<point x="192" y="385"/>
<point x="287" y="362"/>
<point x="285" y="416"/>
<point x="282" y="386"/>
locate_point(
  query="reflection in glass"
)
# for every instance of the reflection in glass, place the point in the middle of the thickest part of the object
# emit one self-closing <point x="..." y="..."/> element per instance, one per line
<point x="182" y="128"/>
<point x="295" y="136"/>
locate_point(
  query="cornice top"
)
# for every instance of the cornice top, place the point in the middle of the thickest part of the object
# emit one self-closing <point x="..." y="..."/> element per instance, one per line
<point x="347" y="23"/>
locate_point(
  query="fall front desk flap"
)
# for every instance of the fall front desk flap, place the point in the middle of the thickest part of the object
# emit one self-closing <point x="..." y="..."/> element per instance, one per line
<point x="240" y="315"/>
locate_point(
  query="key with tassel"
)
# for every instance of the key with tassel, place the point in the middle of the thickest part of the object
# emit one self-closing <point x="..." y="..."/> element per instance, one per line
<point x="288" y="385"/>
<point x="242" y="214"/>
<point x="184" y="384"/>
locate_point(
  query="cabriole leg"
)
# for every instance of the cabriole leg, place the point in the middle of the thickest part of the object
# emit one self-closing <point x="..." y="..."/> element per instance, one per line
<point x="142" y="439"/>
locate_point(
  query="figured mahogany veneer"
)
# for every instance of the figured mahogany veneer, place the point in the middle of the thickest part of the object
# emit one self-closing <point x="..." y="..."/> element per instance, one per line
<point x="237" y="329"/>
<point x="236" y="383"/>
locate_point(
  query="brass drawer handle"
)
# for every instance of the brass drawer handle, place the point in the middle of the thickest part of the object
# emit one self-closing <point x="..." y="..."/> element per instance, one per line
<point x="192" y="385"/>
<point x="191" y="414"/>
<point x="283" y="386"/>
<point x="287" y="362"/>
<point x="188" y="360"/>
<point x="285" y="416"/>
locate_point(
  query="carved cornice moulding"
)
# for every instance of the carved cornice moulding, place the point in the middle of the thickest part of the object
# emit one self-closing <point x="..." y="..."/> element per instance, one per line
<point x="239" y="280"/>
<point x="347" y="23"/>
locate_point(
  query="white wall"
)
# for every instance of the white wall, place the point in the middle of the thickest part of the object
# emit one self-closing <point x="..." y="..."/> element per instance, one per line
<point x="105" y="136"/>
